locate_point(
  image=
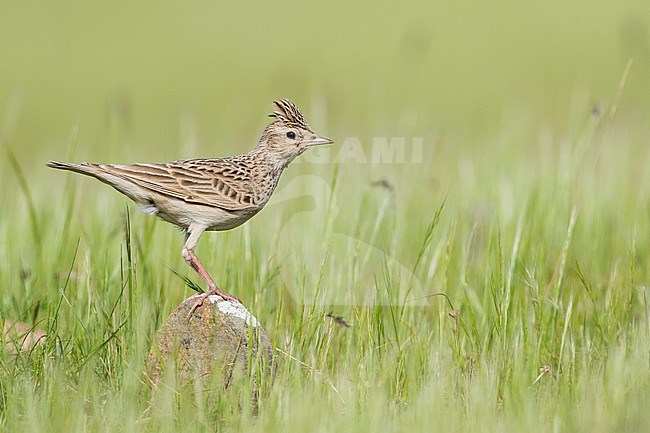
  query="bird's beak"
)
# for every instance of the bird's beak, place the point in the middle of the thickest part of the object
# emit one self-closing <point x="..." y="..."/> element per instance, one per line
<point x="320" y="140"/>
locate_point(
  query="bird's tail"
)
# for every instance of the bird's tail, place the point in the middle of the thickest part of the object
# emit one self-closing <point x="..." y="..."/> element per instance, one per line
<point x="86" y="168"/>
<point x="98" y="171"/>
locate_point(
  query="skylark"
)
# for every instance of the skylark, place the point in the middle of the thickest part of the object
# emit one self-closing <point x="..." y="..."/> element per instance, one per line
<point x="217" y="194"/>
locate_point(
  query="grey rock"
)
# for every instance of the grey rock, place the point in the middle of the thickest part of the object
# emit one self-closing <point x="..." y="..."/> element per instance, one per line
<point x="220" y="343"/>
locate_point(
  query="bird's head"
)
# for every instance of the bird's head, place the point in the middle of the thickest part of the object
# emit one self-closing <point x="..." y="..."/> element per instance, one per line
<point x="289" y="135"/>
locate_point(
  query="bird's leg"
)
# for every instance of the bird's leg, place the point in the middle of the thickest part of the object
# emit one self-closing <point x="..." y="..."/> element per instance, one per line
<point x="191" y="239"/>
<point x="214" y="289"/>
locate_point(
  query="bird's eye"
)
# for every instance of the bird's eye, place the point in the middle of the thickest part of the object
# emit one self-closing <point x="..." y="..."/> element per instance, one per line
<point x="291" y="135"/>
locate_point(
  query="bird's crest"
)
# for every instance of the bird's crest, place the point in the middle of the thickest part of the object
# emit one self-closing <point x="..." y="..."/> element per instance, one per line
<point x="287" y="112"/>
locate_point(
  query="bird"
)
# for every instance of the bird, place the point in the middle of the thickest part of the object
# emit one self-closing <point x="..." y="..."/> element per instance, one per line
<point x="211" y="194"/>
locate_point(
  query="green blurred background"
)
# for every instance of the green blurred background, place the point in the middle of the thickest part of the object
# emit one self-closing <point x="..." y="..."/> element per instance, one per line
<point x="140" y="79"/>
<point x="542" y="246"/>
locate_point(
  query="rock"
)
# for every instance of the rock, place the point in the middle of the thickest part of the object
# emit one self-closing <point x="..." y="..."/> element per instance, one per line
<point x="19" y="336"/>
<point x="220" y="342"/>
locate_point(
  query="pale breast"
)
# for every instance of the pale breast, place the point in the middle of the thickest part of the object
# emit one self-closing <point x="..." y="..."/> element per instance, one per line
<point x="184" y="214"/>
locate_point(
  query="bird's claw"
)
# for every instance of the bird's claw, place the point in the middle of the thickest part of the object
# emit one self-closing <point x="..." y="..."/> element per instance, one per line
<point x="203" y="296"/>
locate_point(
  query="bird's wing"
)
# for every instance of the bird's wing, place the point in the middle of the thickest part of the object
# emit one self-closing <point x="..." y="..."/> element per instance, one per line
<point x="217" y="183"/>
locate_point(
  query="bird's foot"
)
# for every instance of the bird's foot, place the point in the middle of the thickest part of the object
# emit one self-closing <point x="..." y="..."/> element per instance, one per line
<point x="214" y="291"/>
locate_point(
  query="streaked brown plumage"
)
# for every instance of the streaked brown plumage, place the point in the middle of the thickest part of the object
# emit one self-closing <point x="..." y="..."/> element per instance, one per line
<point x="216" y="194"/>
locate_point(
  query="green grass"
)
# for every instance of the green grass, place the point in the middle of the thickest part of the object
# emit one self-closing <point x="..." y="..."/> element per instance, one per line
<point x="540" y="250"/>
<point x="501" y="286"/>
